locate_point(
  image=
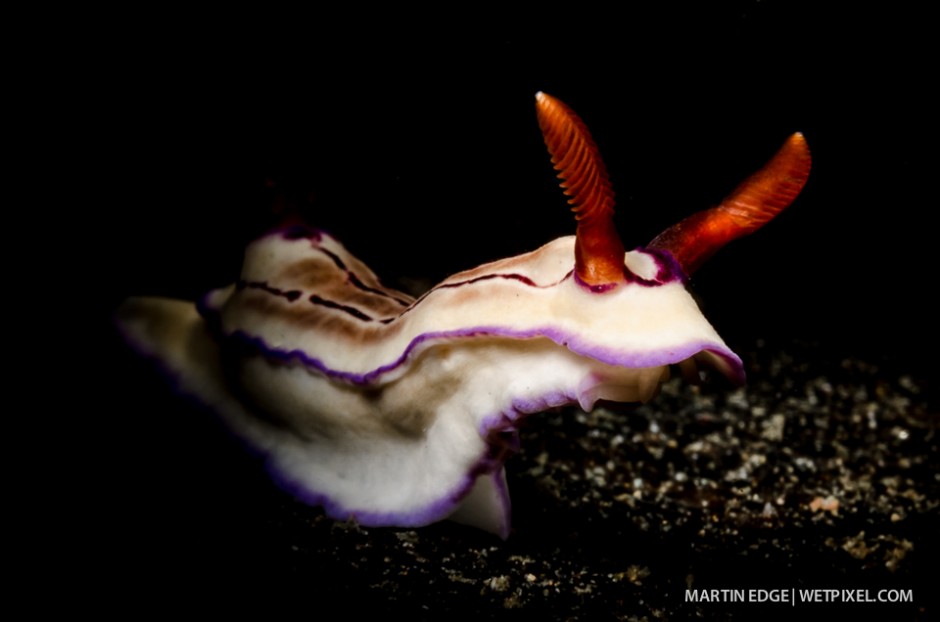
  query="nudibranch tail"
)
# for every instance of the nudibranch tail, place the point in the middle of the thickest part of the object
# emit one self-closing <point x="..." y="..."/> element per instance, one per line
<point x="762" y="196"/>
<point x="598" y="249"/>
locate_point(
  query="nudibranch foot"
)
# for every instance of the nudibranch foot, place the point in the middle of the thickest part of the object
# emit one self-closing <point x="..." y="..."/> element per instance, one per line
<point x="453" y="463"/>
<point x="397" y="411"/>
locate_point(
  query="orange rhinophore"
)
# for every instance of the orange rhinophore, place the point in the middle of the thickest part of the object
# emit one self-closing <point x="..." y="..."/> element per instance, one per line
<point x="598" y="249"/>
<point x="752" y="204"/>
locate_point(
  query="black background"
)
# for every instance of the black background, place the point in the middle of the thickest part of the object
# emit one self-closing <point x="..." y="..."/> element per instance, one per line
<point x="414" y="138"/>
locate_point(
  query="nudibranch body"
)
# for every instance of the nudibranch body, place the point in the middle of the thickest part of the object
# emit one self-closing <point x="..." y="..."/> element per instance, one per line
<point x="398" y="411"/>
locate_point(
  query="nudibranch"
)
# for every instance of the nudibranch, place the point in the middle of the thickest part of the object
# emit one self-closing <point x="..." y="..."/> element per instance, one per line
<point x="396" y="411"/>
